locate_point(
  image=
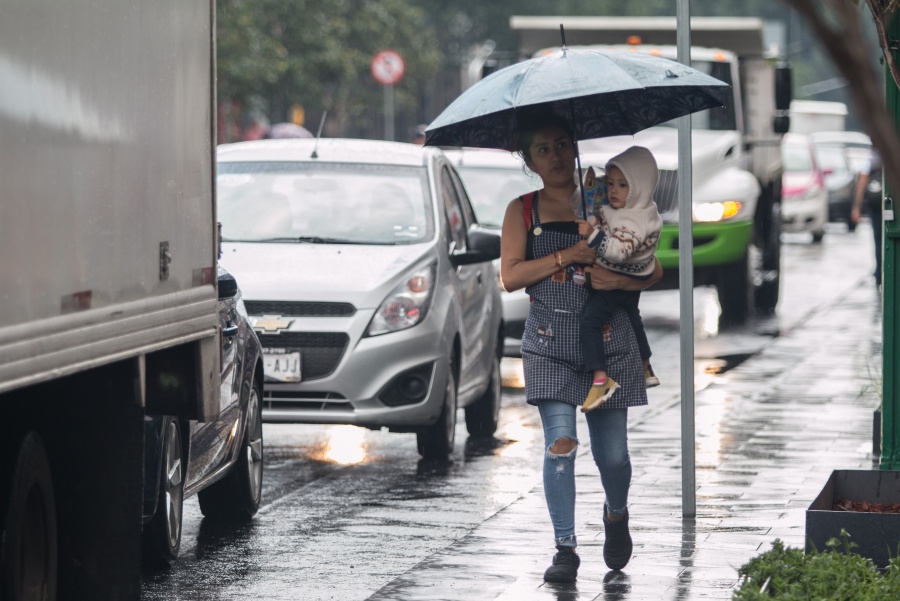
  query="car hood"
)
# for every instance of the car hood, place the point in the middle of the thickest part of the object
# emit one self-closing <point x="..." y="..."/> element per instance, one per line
<point x="358" y="274"/>
<point x="708" y="148"/>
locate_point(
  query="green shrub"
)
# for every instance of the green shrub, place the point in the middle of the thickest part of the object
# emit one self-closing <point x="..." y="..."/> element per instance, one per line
<point x="791" y="575"/>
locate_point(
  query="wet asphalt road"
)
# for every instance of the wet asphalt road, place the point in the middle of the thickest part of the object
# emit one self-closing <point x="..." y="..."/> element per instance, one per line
<point x="345" y="511"/>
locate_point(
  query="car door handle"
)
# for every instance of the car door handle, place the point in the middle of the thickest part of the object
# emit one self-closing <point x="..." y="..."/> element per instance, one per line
<point x="230" y="331"/>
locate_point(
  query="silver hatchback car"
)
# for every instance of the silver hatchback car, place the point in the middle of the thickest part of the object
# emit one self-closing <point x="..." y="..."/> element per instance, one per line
<point x="370" y="283"/>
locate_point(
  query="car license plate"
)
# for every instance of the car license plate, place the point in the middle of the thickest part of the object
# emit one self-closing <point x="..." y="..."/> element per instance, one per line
<point x="283" y="367"/>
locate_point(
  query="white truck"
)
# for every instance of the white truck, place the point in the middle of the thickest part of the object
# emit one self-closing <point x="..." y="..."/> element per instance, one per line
<point x="107" y="276"/>
<point x="736" y="192"/>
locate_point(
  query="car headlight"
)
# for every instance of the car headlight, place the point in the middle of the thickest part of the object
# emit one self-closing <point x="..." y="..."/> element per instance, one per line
<point x="407" y="304"/>
<point x="717" y="211"/>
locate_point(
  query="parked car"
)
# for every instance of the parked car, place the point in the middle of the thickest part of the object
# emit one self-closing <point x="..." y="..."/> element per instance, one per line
<point x="857" y="149"/>
<point x="370" y="282"/>
<point x="839" y="180"/>
<point x="221" y="461"/>
<point x="493" y="178"/>
<point x="805" y="198"/>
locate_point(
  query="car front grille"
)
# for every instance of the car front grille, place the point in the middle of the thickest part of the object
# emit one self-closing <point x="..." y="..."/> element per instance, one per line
<point x="289" y="400"/>
<point x="320" y="352"/>
<point x="299" y="309"/>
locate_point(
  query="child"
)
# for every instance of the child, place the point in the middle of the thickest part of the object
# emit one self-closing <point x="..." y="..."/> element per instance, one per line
<point x="624" y="229"/>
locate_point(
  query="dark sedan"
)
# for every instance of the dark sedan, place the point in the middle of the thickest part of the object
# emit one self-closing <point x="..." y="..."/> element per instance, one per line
<point x="220" y="461"/>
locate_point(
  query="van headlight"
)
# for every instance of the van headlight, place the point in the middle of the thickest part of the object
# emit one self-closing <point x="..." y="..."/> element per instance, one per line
<point x="717" y="211"/>
<point x="407" y="304"/>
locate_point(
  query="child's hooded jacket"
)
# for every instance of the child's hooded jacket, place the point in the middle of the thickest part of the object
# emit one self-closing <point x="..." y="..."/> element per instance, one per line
<point x="625" y="239"/>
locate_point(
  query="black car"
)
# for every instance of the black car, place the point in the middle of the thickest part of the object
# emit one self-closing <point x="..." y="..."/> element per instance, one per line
<point x="220" y="461"/>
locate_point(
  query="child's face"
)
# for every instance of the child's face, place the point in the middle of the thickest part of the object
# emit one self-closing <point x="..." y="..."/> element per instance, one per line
<point x="618" y="187"/>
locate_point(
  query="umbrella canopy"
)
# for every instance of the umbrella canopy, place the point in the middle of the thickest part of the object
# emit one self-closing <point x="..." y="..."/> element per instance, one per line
<point x="600" y="92"/>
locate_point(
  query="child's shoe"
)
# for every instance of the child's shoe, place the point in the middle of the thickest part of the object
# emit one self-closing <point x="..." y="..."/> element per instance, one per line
<point x="599" y="394"/>
<point x="650" y="377"/>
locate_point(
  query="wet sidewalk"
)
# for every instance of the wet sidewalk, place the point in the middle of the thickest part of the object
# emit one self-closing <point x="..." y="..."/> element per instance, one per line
<point x="769" y="432"/>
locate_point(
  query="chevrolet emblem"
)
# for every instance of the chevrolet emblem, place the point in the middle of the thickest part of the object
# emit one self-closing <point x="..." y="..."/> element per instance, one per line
<point x="271" y="324"/>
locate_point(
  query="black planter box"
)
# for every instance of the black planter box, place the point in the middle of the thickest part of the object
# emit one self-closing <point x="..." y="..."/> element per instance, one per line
<point x="877" y="534"/>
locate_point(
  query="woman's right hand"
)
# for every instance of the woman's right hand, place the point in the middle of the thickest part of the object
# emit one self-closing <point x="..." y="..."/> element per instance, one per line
<point x="581" y="254"/>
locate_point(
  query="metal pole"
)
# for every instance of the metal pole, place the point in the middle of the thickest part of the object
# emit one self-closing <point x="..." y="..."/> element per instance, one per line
<point x="389" y="112"/>
<point x="890" y="397"/>
<point x="686" y="279"/>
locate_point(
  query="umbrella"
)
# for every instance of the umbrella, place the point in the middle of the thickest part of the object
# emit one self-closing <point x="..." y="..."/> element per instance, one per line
<point x="600" y="92"/>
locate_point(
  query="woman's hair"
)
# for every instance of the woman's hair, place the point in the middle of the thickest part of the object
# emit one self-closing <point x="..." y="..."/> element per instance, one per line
<point x="531" y="121"/>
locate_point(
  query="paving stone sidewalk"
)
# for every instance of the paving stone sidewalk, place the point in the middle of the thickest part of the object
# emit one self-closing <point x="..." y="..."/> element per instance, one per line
<point x="769" y="432"/>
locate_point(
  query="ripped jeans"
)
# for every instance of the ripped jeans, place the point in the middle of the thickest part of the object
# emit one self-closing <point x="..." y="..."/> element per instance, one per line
<point x="608" y="430"/>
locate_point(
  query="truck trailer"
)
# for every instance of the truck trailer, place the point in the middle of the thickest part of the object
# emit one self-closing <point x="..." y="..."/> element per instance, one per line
<point x="736" y="188"/>
<point x="108" y="281"/>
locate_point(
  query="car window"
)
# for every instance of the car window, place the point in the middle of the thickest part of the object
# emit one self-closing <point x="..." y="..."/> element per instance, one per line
<point x="490" y="190"/>
<point x="452" y="211"/>
<point x="324" y="203"/>
<point x="464" y="202"/>
<point x="796" y="157"/>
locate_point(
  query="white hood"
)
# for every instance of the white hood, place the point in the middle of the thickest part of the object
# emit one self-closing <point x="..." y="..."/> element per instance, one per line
<point x="362" y="275"/>
<point x="708" y="148"/>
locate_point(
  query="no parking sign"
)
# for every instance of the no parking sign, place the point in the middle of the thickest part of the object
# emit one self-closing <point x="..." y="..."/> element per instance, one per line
<point x="387" y="67"/>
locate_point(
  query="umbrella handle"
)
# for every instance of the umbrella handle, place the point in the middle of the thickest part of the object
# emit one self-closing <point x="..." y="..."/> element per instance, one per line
<point x="577" y="154"/>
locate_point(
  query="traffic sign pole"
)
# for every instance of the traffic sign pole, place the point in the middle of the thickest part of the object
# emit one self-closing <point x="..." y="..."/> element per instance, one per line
<point x="387" y="68"/>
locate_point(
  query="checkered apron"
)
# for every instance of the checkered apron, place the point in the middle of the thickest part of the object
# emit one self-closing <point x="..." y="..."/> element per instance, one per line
<point x="551" y="349"/>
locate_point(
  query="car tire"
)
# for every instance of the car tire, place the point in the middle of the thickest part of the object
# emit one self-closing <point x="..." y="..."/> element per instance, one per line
<point x="817" y="236"/>
<point x="735" y="289"/>
<point x="436" y="441"/>
<point x="769" y="276"/>
<point x="483" y="415"/>
<point x="28" y="545"/>
<point x="237" y="496"/>
<point x="162" y="534"/>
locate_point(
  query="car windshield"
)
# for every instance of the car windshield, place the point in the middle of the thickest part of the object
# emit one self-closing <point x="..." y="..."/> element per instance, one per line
<point x="717" y="119"/>
<point x="796" y="157"/>
<point x="831" y="157"/>
<point x="490" y="190"/>
<point x="323" y="203"/>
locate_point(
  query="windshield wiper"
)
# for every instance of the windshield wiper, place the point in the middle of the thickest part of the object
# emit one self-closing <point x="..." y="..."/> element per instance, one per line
<point x="308" y="239"/>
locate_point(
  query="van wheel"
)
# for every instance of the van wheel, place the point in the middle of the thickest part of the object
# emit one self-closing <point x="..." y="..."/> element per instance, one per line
<point x="817" y="236"/>
<point x="483" y="415"/>
<point x="237" y="495"/>
<point x="735" y="291"/>
<point x="162" y="534"/>
<point x="28" y="552"/>
<point x="436" y="441"/>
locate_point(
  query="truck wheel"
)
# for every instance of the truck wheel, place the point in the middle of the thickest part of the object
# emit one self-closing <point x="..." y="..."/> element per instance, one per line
<point x="769" y="276"/>
<point x="162" y="534"/>
<point x="28" y="553"/>
<point x="237" y="496"/>
<point x="817" y="236"/>
<point x="483" y="415"/>
<point x="436" y="441"/>
<point x="735" y="291"/>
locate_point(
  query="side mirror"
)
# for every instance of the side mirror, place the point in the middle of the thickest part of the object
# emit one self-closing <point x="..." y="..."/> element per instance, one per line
<point x="781" y="124"/>
<point x="483" y="246"/>
<point x="228" y="286"/>
<point x="783" y="86"/>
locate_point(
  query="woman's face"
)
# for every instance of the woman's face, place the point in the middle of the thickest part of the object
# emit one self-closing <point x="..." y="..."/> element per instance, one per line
<point x="552" y="156"/>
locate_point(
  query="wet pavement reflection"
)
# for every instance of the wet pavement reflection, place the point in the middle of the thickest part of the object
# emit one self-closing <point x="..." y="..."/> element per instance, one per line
<point x="351" y="514"/>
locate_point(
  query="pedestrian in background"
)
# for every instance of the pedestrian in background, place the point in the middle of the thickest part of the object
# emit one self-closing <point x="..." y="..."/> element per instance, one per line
<point x="540" y="250"/>
<point x="868" y="198"/>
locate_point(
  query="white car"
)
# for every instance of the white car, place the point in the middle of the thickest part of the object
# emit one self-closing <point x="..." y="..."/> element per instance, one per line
<point x="370" y="283"/>
<point x="493" y="178"/>
<point x="804" y="194"/>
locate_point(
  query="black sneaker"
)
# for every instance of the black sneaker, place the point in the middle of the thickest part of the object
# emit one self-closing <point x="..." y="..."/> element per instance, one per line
<point x="565" y="566"/>
<point x="617" y="547"/>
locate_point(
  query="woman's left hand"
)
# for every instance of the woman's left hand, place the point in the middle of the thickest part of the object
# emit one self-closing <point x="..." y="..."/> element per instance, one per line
<point x="602" y="278"/>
